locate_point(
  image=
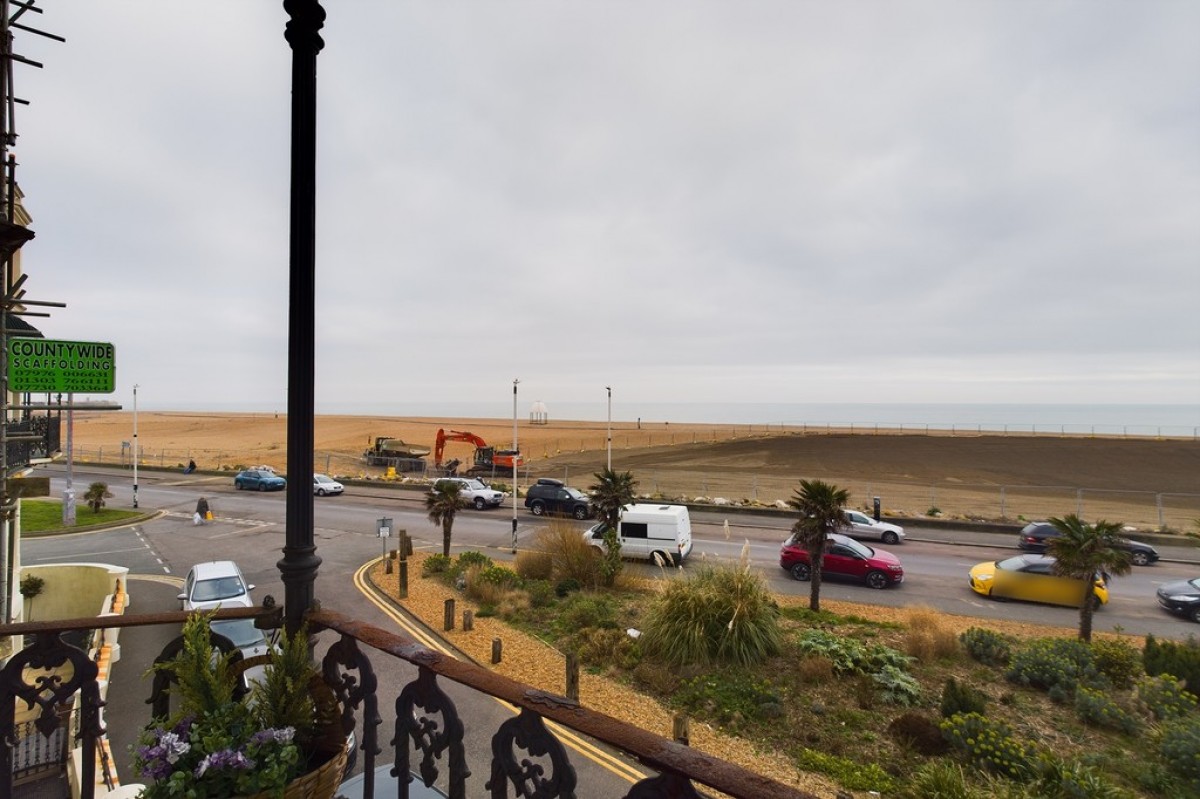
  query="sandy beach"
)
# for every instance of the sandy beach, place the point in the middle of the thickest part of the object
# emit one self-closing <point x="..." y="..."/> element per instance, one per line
<point x="1145" y="482"/>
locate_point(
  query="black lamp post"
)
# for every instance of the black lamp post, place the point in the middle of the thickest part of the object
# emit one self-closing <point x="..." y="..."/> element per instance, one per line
<point x="299" y="565"/>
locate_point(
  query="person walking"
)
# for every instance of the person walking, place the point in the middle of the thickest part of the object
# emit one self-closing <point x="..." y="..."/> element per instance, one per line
<point x="201" y="515"/>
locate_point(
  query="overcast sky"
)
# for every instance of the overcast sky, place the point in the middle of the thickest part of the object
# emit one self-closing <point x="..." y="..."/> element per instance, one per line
<point x="690" y="201"/>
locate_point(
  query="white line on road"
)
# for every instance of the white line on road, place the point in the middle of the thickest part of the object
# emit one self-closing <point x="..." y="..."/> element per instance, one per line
<point x="243" y="531"/>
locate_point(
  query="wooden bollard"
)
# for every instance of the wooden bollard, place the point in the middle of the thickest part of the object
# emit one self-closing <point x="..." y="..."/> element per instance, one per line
<point x="448" y="617"/>
<point x="497" y="647"/>
<point x="387" y="565"/>
<point x="679" y="728"/>
<point x="468" y="621"/>
<point x="573" y="676"/>
<point x="403" y="579"/>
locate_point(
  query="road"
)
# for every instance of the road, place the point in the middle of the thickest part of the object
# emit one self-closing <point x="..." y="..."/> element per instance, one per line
<point x="251" y="525"/>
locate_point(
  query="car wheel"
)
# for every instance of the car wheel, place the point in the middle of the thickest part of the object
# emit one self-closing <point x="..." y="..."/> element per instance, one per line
<point x="479" y="503"/>
<point x="801" y="572"/>
<point x="320" y="492"/>
<point x="580" y="513"/>
<point x="262" y="486"/>
<point x="537" y="508"/>
<point x="877" y="580"/>
<point x="890" y="538"/>
<point x="665" y="558"/>
<point x="1195" y="615"/>
<point x="237" y="484"/>
<point x="1096" y="603"/>
<point x="1140" y="559"/>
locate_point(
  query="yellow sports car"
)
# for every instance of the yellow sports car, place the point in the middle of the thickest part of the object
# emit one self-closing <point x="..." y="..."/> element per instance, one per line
<point x="1032" y="578"/>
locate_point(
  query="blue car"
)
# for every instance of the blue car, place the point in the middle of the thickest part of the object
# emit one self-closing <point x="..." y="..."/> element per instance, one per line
<point x="259" y="479"/>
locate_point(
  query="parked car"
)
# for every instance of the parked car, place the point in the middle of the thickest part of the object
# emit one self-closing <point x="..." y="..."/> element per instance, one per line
<point x="324" y="484"/>
<point x="1031" y="578"/>
<point x="259" y="479"/>
<point x="218" y="583"/>
<point x="863" y="526"/>
<point x="248" y="638"/>
<point x="844" y="557"/>
<point x="473" y="491"/>
<point x="1035" y="537"/>
<point x="1181" y="597"/>
<point x="548" y="495"/>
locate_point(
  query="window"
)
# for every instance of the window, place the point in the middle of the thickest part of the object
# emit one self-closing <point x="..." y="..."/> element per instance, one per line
<point x="634" y="530"/>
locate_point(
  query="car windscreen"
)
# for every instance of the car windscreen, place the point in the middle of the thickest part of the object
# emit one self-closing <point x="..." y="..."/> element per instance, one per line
<point x="1012" y="564"/>
<point x="575" y="493"/>
<point x="475" y="485"/>
<point x="242" y="632"/>
<point x="219" y="588"/>
<point x="861" y="550"/>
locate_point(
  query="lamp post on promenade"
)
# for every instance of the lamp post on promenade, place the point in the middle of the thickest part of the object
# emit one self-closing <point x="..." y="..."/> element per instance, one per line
<point x="609" y="388"/>
<point x="135" y="446"/>
<point x="514" y="459"/>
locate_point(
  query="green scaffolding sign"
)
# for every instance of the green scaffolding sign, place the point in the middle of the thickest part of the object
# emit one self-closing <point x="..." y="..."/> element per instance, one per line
<point x="79" y="367"/>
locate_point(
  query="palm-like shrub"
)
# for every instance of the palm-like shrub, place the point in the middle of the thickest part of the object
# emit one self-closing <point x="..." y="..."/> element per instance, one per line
<point x="443" y="503"/>
<point x="820" y="505"/>
<point x="716" y="614"/>
<point x="95" y="496"/>
<point x="1080" y="551"/>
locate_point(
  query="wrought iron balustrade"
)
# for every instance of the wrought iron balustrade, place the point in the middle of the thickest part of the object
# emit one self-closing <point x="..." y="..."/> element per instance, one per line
<point x="526" y="759"/>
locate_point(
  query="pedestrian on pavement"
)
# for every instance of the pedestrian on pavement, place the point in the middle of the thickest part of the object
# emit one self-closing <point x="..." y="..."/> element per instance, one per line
<point x="201" y="514"/>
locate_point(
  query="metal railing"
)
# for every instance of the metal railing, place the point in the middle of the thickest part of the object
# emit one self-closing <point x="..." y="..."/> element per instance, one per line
<point x="525" y="758"/>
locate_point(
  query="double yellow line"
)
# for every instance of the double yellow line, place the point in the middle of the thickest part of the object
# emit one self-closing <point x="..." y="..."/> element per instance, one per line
<point x="564" y="734"/>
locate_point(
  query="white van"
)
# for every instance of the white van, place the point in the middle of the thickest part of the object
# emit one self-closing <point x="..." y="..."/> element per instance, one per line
<point x="649" y="529"/>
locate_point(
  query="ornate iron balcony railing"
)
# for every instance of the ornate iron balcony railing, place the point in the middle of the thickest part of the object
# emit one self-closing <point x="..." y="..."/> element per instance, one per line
<point x="526" y="759"/>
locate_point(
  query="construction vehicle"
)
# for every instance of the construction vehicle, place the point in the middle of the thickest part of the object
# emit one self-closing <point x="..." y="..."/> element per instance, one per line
<point x="404" y="457"/>
<point x="487" y="459"/>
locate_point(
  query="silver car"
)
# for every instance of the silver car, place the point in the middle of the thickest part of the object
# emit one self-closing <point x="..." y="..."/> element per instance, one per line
<point x="860" y="525"/>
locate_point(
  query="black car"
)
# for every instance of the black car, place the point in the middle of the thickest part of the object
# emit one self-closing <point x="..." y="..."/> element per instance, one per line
<point x="1182" y="597"/>
<point x="553" y="496"/>
<point x="1034" y="538"/>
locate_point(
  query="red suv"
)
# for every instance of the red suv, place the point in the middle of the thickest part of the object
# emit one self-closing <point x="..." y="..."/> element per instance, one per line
<point x="844" y="557"/>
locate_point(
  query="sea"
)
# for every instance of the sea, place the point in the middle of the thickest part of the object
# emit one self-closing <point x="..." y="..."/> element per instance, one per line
<point x="1171" y="420"/>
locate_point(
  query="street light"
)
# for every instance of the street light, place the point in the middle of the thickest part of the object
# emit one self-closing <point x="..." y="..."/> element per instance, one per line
<point x="514" y="459"/>
<point x="609" y="427"/>
<point x="135" y="446"/>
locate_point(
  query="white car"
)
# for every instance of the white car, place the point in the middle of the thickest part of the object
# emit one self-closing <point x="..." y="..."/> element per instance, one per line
<point x="860" y="525"/>
<point x="324" y="484"/>
<point x="218" y="583"/>
<point x="473" y="492"/>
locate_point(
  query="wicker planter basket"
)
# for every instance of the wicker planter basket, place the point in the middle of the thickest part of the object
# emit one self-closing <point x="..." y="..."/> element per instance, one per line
<point x="328" y="761"/>
<point x="320" y="783"/>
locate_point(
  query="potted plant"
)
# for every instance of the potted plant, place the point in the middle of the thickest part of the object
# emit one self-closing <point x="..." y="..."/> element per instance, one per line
<point x="282" y="739"/>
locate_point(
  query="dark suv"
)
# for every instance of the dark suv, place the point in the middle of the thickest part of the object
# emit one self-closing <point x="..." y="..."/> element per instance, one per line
<point x="552" y="496"/>
<point x="1035" y="536"/>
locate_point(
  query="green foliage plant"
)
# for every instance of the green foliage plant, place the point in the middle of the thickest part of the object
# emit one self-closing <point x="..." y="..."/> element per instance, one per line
<point x="989" y="745"/>
<point x="850" y="655"/>
<point x="1179" y="746"/>
<point x="437" y="564"/>
<point x="472" y="558"/>
<point x="1061" y="779"/>
<point x="611" y="492"/>
<point x="1118" y="660"/>
<point x="960" y="698"/>
<point x="1180" y="659"/>
<point x="714" y="614"/>
<point x="1165" y="697"/>
<point x="896" y="686"/>
<point x="282" y="697"/>
<point x="987" y="646"/>
<point x="1055" y="665"/>
<point x="572" y="557"/>
<point x="852" y="774"/>
<point x="1096" y="707"/>
<point x="940" y="779"/>
<point x="31" y="587"/>
<point x="606" y="647"/>
<point x="95" y="496"/>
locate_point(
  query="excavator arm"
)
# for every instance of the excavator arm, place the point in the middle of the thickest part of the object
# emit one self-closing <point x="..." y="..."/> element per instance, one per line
<point x="454" y="435"/>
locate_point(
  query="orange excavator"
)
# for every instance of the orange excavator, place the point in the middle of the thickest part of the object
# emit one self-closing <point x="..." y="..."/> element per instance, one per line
<point x="487" y="459"/>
